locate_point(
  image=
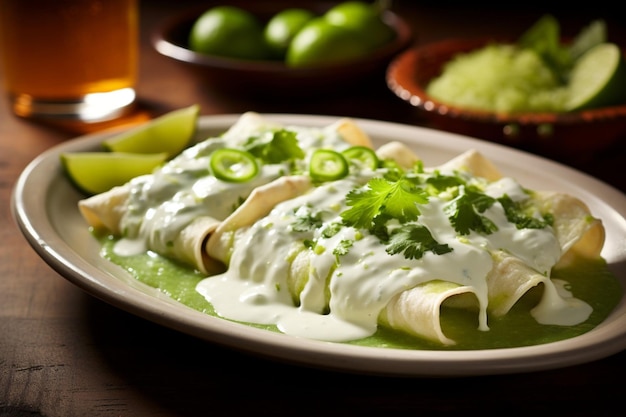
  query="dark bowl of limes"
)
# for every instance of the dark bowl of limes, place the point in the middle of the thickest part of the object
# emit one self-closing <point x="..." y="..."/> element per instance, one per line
<point x="263" y="47"/>
<point x="568" y="103"/>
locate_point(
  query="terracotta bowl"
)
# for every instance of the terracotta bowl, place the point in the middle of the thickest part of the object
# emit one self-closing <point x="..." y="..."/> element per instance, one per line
<point x="273" y="77"/>
<point x="567" y="136"/>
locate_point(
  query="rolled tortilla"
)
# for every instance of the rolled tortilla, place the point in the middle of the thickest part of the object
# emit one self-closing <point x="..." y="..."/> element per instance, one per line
<point x="105" y="210"/>
<point x="189" y="244"/>
<point x="399" y="152"/>
<point x="352" y="132"/>
<point x="578" y="232"/>
<point x="260" y="202"/>
<point x="417" y="311"/>
<point x="475" y="163"/>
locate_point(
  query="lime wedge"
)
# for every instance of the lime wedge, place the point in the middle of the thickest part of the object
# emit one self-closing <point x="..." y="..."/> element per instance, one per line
<point x="598" y="78"/>
<point x="97" y="172"/>
<point x="169" y="133"/>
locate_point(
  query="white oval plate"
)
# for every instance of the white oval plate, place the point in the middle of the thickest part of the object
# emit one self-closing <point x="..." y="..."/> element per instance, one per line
<point x="44" y="205"/>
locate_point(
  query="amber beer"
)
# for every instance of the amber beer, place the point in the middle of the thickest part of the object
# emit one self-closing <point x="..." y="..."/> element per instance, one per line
<point x="69" y="58"/>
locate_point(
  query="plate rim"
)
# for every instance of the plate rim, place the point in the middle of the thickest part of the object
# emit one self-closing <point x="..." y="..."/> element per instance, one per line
<point x="30" y="214"/>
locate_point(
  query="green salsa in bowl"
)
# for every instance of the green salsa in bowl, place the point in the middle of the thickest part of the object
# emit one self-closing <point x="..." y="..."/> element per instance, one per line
<point x="502" y="91"/>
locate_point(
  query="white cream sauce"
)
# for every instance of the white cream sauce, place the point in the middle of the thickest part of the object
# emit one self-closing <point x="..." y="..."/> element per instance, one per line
<point x="162" y="204"/>
<point x="342" y="302"/>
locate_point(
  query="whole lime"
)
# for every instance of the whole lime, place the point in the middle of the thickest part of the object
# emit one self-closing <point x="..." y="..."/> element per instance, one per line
<point x="230" y="32"/>
<point x="364" y="18"/>
<point x="319" y="43"/>
<point x="283" y="27"/>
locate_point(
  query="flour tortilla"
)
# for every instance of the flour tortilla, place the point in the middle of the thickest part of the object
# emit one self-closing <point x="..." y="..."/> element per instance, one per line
<point x="105" y="211"/>
<point x="189" y="244"/>
<point x="207" y="243"/>
<point x="260" y="202"/>
<point x="473" y="162"/>
<point x="399" y="152"/>
<point x="417" y="310"/>
<point x="351" y="132"/>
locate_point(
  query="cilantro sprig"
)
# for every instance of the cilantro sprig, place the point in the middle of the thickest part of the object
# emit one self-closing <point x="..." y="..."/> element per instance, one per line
<point x="393" y="197"/>
<point x="389" y="207"/>
<point x="516" y="215"/>
<point x="465" y="211"/>
<point x="397" y="199"/>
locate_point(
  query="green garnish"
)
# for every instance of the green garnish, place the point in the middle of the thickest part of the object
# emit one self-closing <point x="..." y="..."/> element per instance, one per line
<point x="465" y="210"/>
<point x="307" y="222"/>
<point x="443" y="182"/>
<point x="397" y="199"/>
<point x="343" y="247"/>
<point x="392" y="197"/>
<point x="327" y="165"/>
<point x="275" y="147"/>
<point x="331" y="230"/>
<point x="233" y="165"/>
<point x="397" y="196"/>
<point x="361" y="157"/>
<point x="515" y="214"/>
<point x="413" y="240"/>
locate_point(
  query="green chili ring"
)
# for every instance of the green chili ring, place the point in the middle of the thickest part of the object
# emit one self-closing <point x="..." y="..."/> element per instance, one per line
<point x="328" y="165"/>
<point x="233" y="165"/>
<point x="362" y="157"/>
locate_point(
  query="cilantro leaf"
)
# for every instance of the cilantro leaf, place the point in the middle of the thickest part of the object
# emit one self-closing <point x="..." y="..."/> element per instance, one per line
<point x="379" y="228"/>
<point x="413" y="240"/>
<point x="515" y="214"/>
<point x="307" y="222"/>
<point x="464" y="212"/>
<point x="343" y="247"/>
<point x="331" y="230"/>
<point x="403" y="199"/>
<point x="398" y="199"/>
<point x="366" y="203"/>
<point x="275" y="147"/>
<point x="443" y="182"/>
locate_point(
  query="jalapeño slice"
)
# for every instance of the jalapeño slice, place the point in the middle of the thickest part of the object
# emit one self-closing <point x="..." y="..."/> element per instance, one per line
<point x="328" y="165"/>
<point x="233" y="165"/>
<point x="362" y="157"/>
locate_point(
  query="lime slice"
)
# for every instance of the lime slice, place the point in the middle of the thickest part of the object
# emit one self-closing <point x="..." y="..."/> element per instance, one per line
<point x="598" y="78"/>
<point x="170" y="133"/>
<point x="97" y="172"/>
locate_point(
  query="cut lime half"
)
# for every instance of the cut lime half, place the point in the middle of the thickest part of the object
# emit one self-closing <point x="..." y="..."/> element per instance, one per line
<point x="598" y="78"/>
<point x="169" y="133"/>
<point x="97" y="172"/>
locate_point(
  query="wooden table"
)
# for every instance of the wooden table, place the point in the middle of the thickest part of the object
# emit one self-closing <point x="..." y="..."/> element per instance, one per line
<point x="65" y="353"/>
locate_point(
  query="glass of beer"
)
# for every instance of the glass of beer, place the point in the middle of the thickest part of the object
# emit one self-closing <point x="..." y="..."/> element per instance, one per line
<point x="69" y="59"/>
